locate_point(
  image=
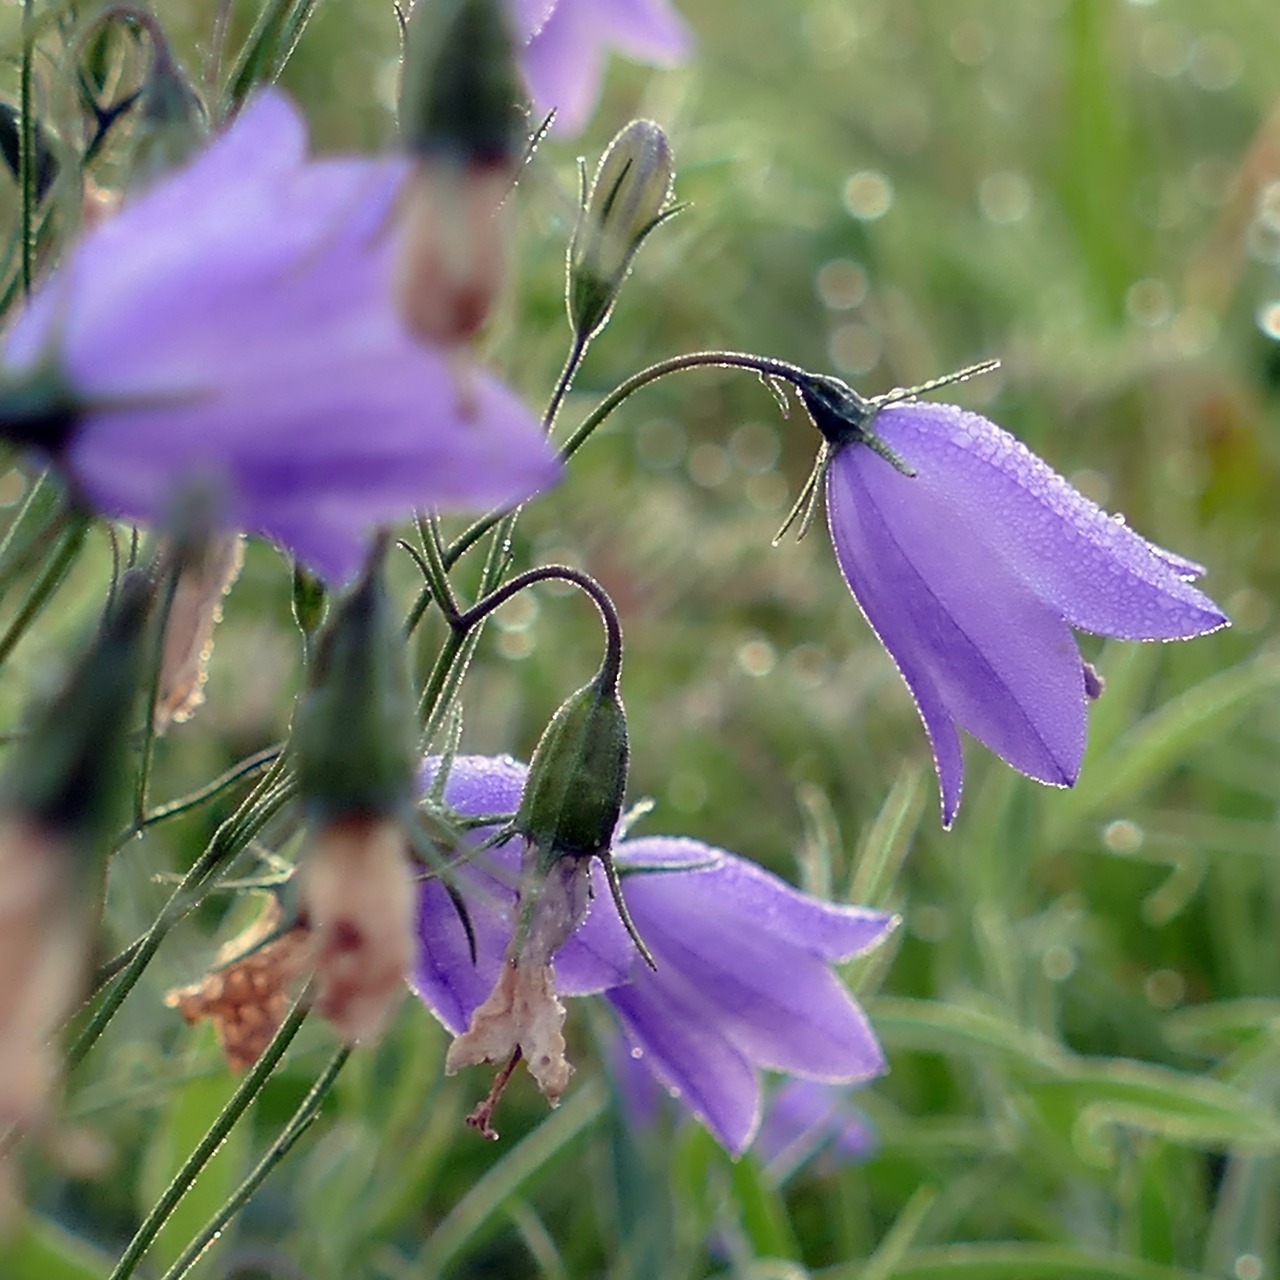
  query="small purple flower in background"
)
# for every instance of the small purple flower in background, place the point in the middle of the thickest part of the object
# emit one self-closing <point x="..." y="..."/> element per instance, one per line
<point x="807" y="1119"/>
<point x="973" y="571"/>
<point x="234" y="327"/>
<point x="744" y="980"/>
<point x="569" y="41"/>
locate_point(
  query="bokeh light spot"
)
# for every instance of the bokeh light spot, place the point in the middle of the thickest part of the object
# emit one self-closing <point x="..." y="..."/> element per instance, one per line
<point x="842" y="284"/>
<point x="1004" y="197"/>
<point x="855" y="348"/>
<point x="868" y="195"/>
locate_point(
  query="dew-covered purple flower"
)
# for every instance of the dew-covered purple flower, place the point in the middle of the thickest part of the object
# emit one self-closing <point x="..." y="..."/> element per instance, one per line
<point x="568" y="42"/>
<point x="973" y="572"/>
<point x="234" y="328"/>
<point x="744" y="977"/>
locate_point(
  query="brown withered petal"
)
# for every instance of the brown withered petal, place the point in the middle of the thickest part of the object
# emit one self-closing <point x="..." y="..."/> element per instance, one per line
<point x="357" y="891"/>
<point x="452" y="248"/>
<point x="44" y="946"/>
<point x="248" y="993"/>
<point x="188" y="633"/>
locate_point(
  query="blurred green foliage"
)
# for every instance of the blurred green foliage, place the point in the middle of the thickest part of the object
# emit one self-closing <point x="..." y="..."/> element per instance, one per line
<point x="1082" y="1005"/>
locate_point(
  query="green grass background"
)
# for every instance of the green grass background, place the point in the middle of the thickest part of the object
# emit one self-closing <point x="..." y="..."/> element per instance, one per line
<point x="1081" y="1007"/>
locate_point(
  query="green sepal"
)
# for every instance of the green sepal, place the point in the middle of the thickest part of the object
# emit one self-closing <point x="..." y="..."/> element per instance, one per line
<point x="577" y="779"/>
<point x="73" y="766"/>
<point x="354" y="731"/>
<point x="461" y="86"/>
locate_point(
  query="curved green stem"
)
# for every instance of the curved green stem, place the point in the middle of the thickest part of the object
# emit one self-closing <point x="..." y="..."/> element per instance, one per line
<point x="764" y="366"/>
<point x="564" y="573"/>
<point x="249" y="1089"/>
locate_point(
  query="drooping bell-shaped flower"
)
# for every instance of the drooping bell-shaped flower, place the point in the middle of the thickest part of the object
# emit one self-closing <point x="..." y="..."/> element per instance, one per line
<point x="744" y="975"/>
<point x="972" y="561"/>
<point x="234" y="328"/>
<point x="569" y="42"/>
<point x="354" y="735"/>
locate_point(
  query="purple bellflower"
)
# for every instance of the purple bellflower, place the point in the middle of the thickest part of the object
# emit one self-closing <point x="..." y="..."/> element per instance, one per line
<point x="234" y="329"/>
<point x="972" y="561"/>
<point x="808" y="1119"/>
<point x="744" y="977"/>
<point x="568" y="42"/>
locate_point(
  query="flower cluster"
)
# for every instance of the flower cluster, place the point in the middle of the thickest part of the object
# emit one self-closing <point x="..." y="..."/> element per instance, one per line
<point x="744" y="975"/>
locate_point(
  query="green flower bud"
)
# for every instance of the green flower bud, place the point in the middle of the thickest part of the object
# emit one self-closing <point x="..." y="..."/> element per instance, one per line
<point x="171" y="124"/>
<point x="628" y="198"/>
<point x="72" y="767"/>
<point x="578" y="777"/>
<point x="460" y="90"/>
<point x="354" y="730"/>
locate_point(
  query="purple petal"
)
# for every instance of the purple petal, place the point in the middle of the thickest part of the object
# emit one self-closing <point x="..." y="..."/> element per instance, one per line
<point x="234" y="328"/>
<point x="743" y="958"/>
<point x="690" y="1054"/>
<point x="975" y="645"/>
<point x="740" y="889"/>
<point x="1090" y="567"/>
<point x="802" y="1117"/>
<point x="565" y="58"/>
<point x="599" y="954"/>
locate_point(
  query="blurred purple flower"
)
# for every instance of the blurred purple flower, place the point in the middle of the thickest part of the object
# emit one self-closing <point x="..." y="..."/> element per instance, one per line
<point x="568" y="42"/>
<point x="234" y="328"/>
<point x="972" y="573"/>
<point x="744" y="979"/>
<point x="805" y="1119"/>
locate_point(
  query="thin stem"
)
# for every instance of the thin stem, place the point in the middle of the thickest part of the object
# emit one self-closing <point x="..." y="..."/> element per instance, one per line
<point x="249" y="1089"/>
<point x="143" y="783"/>
<point x="43" y="588"/>
<point x="298" y="1124"/>
<point x="27" y="147"/>
<point x="450" y="556"/>
<point x="564" y="383"/>
<point x="764" y="366"/>
<point x="562" y="573"/>
<point x="228" y="840"/>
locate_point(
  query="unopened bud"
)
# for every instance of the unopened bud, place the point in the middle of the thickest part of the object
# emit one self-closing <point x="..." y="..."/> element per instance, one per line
<point x="358" y="898"/>
<point x="628" y="198"/>
<point x="460" y="88"/>
<point x="452" y="247"/>
<point x="171" y="122"/>
<point x="354" y="730"/>
<point x="578" y="776"/>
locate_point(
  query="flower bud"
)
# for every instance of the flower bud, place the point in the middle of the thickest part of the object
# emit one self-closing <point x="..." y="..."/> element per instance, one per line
<point x="628" y="198"/>
<point x="578" y="776"/>
<point x="171" y="119"/>
<point x="460" y="87"/>
<point x="355" y="739"/>
<point x="46" y="161"/>
<point x="354" y="731"/>
<point x="57" y="809"/>
<point x="460" y="121"/>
